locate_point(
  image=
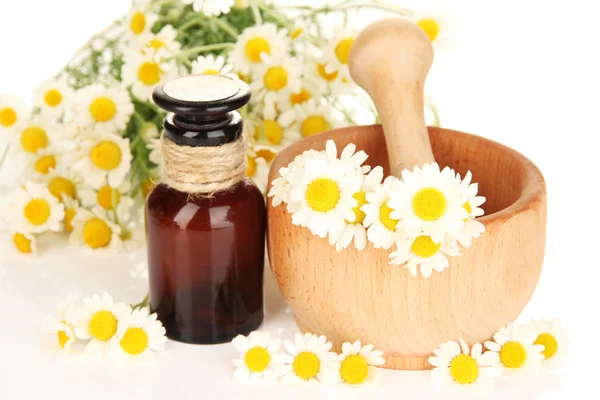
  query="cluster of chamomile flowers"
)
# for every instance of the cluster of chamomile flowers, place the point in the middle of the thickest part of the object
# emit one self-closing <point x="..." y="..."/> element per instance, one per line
<point x="106" y="329"/>
<point x="426" y="214"/>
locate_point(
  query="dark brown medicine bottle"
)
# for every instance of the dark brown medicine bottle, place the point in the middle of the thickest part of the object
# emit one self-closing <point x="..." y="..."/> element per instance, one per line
<point x="205" y="251"/>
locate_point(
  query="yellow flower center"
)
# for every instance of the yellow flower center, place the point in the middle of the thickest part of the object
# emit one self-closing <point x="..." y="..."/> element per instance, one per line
<point x="103" y="325"/>
<point x="108" y="197"/>
<point x="103" y="109"/>
<point x="276" y="78"/>
<point x="360" y="215"/>
<point x="53" y="98"/>
<point x="323" y="73"/>
<point x="211" y="72"/>
<point x="37" y="212"/>
<point x="550" y="344"/>
<point x="464" y="369"/>
<point x="386" y="219"/>
<point x="430" y="27"/>
<point x="272" y="130"/>
<point x="301" y="97"/>
<point x="354" y="369"/>
<point x="149" y="73"/>
<point x="138" y="23"/>
<point x="8" y="117"/>
<point x="252" y="167"/>
<point x="22" y="243"/>
<point x="257" y="359"/>
<point x="44" y="164"/>
<point x="69" y="215"/>
<point x="313" y="125"/>
<point x="265" y="154"/>
<point x="467" y="206"/>
<point x="58" y="185"/>
<point x="33" y="139"/>
<point x="307" y="365"/>
<point x="106" y="155"/>
<point x="513" y="355"/>
<point x="429" y="204"/>
<point x="342" y="51"/>
<point x="96" y="233"/>
<point x="63" y="338"/>
<point x="323" y="195"/>
<point x="147" y="187"/>
<point x="424" y="247"/>
<point x="255" y="47"/>
<point x="296" y="33"/>
<point x="134" y="341"/>
<point x="157" y="44"/>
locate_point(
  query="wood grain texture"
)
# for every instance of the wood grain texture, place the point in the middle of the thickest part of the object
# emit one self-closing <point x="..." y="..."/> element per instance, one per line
<point x="352" y="295"/>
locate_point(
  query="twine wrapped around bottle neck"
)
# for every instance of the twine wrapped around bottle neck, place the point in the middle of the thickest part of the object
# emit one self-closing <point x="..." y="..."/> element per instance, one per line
<point x="204" y="170"/>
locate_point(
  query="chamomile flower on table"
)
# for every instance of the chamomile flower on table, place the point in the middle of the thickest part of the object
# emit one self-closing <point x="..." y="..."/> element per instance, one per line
<point x="25" y="243"/>
<point x="464" y="371"/>
<point x="98" y="321"/>
<point x="102" y="157"/>
<point x="145" y="71"/>
<point x="35" y="210"/>
<point x="61" y="325"/>
<point x="517" y="350"/>
<point x="429" y="202"/>
<point x="34" y="134"/>
<point x="165" y="41"/>
<point x="107" y="197"/>
<point x="555" y="340"/>
<point x="425" y="253"/>
<point x="472" y="229"/>
<point x="439" y="28"/>
<point x="95" y="230"/>
<point x="358" y="364"/>
<point x="13" y="111"/>
<point x="257" y="351"/>
<point x="337" y="52"/>
<point x="139" y="21"/>
<point x="257" y="169"/>
<point x="211" y="8"/>
<point x="212" y="65"/>
<point x="52" y="96"/>
<point x="381" y="227"/>
<point x="310" y="118"/>
<point x="324" y="190"/>
<point x="138" y="335"/>
<point x="256" y="41"/>
<point x="307" y="359"/>
<point x="102" y="109"/>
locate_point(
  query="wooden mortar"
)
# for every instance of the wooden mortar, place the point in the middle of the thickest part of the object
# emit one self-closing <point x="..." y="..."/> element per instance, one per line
<point x="357" y="295"/>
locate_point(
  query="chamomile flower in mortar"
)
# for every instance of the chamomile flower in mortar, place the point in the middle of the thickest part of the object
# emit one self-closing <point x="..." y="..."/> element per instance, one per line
<point x="144" y="72"/>
<point x="439" y="28"/>
<point x="61" y="325"/>
<point x="13" y="111"/>
<point x="164" y="41"/>
<point x="102" y="109"/>
<point x="35" y="210"/>
<point x="104" y="156"/>
<point x="138" y="335"/>
<point x="107" y="197"/>
<point x="324" y="191"/>
<point x="423" y="252"/>
<point x="358" y="364"/>
<point x="349" y="154"/>
<point x="382" y="228"/>
<point x="472" y="228"/>
<point x="95" y="230"/>
<point x="25" y="243"/>
<point x="274" y="81"/>
<point x="255" y="42"/>
<point x="256" y="359"/>
<point x="307" y="360"/>
<point x="257" y="170"/>
<point x="464" y="371"/>
<point x="212" y="65"/>
<point x="52" y="96"/>
<point x="34" y="135"/>
<point x="553" y="337"/>
<point x="139" y="20"/>
<point x="211" y="8"/>
<point x="310" y="118"/>
<point x="337" y="52"/>
<point x="516" y="348"/>
<point x="429" y="202"/>
<point x="98" y="320"/>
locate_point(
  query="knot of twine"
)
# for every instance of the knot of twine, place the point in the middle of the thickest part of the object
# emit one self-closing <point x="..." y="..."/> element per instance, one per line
<point x="204" y="170"/>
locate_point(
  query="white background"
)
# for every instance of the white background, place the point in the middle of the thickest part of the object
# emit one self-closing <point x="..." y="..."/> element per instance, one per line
<point x="524" y="73"/>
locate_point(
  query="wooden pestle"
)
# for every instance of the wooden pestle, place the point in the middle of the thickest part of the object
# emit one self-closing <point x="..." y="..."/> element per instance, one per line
<point x="390" y="60"/>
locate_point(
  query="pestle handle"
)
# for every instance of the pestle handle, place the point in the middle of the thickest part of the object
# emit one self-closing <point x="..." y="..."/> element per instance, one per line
<point x="390" y="60"/>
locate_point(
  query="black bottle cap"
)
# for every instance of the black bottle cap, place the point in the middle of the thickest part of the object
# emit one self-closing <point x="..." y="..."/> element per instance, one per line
<point x="202" y="109"/>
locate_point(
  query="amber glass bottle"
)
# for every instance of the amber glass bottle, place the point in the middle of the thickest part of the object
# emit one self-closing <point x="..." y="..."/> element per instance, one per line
<point x="205" y="250"/>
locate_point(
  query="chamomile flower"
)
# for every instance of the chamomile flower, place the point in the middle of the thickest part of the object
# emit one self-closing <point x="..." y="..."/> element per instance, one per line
<point x="35" y="134"/>
<point x="61" y="325"/>
<point x="429" y="202"/>
<point x="423" y="252"/>
<point x="95" y="230"/>
<point x="144" y="72"/>
<point x="211" y="8"/>
<point x="156" y="154"/>
<point x="51" y="96"/>
<point x="212" y="65"/>
<point x="337" y="52"/>
<point x="102" y="109"/>
<point x="382" y="228"/>
<point x="45" y="161"/>
<point x="324" y="190"/>
<point x="274" y="82"/>
<point x="71" y="210"/>
<point x="516" y="348"/>
<point x="257" y="352"/>
<point x="272" y="132"/>
<point x="13" y="111"/>
<point x="98" y="321"/>
<point x="104" y="156"/>
<point x="138" y="334"/>
<point x="164" y="41"/>
<point x="358" y="364"/>
<point x="107" y="197"/>
<point x="310" y="118"/>
<point x="472" y="228"/>
<point x="257" y="170"/>
<point x="553" y="337"/>
<point x="35" y="210"/>
<point x="255" y="42"/>
<point x="148" y="132"/>
<point x="25" y="243"/>
<point x="439" y="28"/>
<point x="307" y="91"/>
<point x="464" y="371"/>
<point x="139" y="21"/>
<point x="315" y="72"/>
<point x="297" y="32"/>
<point x="62" y="183"/>
<point x="307" y="360"/>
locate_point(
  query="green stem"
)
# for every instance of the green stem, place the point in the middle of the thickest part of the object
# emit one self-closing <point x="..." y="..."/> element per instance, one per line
<point x="256" y="13"/>
<point x="277" y="17"/>
<point x="144" y="303"/>
<point x="202" y="49"/>
<point x="226" y="27"/>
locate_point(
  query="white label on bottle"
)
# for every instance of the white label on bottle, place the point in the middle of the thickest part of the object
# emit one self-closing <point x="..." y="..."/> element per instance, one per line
<point x="202" y="88"/>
